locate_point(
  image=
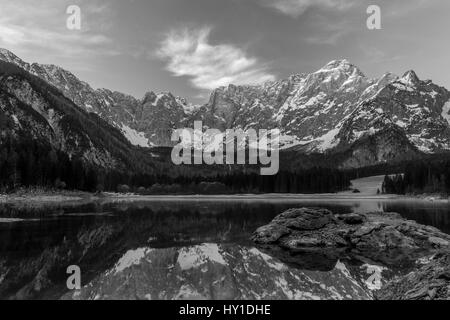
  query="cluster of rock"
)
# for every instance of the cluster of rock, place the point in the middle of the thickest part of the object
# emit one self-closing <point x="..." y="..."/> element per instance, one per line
<point x="384" y="238"/>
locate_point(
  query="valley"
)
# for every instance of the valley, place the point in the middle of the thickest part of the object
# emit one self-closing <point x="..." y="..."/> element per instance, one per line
<point x="367" y="187"/>
<point x="335" y="123"/>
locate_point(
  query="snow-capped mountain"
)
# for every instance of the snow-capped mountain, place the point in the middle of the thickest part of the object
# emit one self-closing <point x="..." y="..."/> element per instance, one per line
<point x="335" y="109"/>
<point x="214" y="271"/>
<point x="143" y="122"/>
<point x="337" y="106"/>
<point x="33" y="110"/>
<point x="158" y="115"/>
<point x="419" y="108"/>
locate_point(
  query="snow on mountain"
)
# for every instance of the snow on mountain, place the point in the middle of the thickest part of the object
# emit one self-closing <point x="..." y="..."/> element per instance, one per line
<point x="327" y="110"/>
<point x="32" y="109"/>
<point x="416" y="107"/>
<point x="446" y="111"/>
<point x="216" y="271"/>
<point x="136" y="138"/>
<point x="124" y="112"/>
<point x="307" y="108"/>
<point x="336" y="106"/>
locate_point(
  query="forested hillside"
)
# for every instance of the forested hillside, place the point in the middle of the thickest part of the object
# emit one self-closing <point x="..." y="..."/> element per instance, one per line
<point x="419" y="178"/>
<point x="46" y="140"/>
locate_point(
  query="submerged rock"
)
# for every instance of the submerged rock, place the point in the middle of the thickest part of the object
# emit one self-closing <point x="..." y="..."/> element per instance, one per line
<point x="383" y="237"/>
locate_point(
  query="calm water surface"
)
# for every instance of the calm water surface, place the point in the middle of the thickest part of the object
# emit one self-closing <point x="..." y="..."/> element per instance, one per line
<point x="179" y="249"/>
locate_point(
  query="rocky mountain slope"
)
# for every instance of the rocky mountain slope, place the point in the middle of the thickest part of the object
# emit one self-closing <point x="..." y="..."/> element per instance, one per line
<point x="143" y="122"/>
<point x="338" y="106"/>
<point x="336" y="109"/>
<point x="33" y="110"/>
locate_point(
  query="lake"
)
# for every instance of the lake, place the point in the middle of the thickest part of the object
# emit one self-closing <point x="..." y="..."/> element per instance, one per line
<point x="182" y="249"/>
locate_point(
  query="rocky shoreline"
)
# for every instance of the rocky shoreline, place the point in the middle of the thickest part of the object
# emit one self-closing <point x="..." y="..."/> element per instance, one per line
<point x="384" y="238"/>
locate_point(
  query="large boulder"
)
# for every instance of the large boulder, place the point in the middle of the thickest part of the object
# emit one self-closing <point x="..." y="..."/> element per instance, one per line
<point x="304" y="219"/>
<point x="383" y="237"/>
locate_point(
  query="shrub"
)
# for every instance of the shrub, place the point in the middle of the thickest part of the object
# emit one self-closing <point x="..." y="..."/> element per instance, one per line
<point x="123" y="188"/>
<point x="60" y="184"/>
<point x="141" y="190"/>
<point x="212" y="188"/>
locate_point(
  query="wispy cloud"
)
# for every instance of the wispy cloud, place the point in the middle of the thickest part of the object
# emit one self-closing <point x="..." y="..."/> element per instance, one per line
<point x="188" y="52"/>
<point x="296" y="8"/>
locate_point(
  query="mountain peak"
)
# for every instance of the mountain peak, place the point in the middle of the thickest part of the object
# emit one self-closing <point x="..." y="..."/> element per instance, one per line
<point x="338" y="64"/>
<point x="410" y="77"/>
<point x="8" y="56"/>
<point x="149" y="97"/>
<point x="342" y="65"/>
<point x="154" y="98"/>
<point x="6" y="52"/>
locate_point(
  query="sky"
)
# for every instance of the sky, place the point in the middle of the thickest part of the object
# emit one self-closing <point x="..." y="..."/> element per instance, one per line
<point x="189" y="47"/>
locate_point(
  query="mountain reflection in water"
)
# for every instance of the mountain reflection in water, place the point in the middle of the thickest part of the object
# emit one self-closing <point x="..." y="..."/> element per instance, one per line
<point x="212" y="271"/>
<point x="179" y="250"/>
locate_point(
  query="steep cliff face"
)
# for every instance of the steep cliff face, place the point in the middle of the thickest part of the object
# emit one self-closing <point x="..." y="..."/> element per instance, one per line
<point x="417" y="108"/>
<point x="158" y="115"/>
<point x="142" y="122"/>
<point x="306" y="107"/>
<point x="32" y="109"/>
<point x="338" y="106"/>
<point x="333" y="109"/>
<point x="385" y="146"/>
<point x="249" y="106"/>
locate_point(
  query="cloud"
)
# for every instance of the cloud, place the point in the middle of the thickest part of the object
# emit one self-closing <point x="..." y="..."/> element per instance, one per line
<point x="31" y="27"/>
<point x="189" y="53"/>
<point x="296" y="8"/>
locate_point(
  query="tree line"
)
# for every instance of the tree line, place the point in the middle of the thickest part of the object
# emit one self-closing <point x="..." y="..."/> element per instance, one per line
<point x="420" y="177"/>
<point x="29" y="163"/>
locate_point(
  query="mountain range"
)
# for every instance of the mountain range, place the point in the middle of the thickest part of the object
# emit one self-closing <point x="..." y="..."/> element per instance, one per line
<point x="335" y="110"/>
<point x="210" y="271"/>
<point x="33" y="110"/>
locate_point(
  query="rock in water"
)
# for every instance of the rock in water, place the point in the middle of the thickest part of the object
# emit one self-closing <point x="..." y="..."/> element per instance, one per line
<point x="383" y="237"/>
